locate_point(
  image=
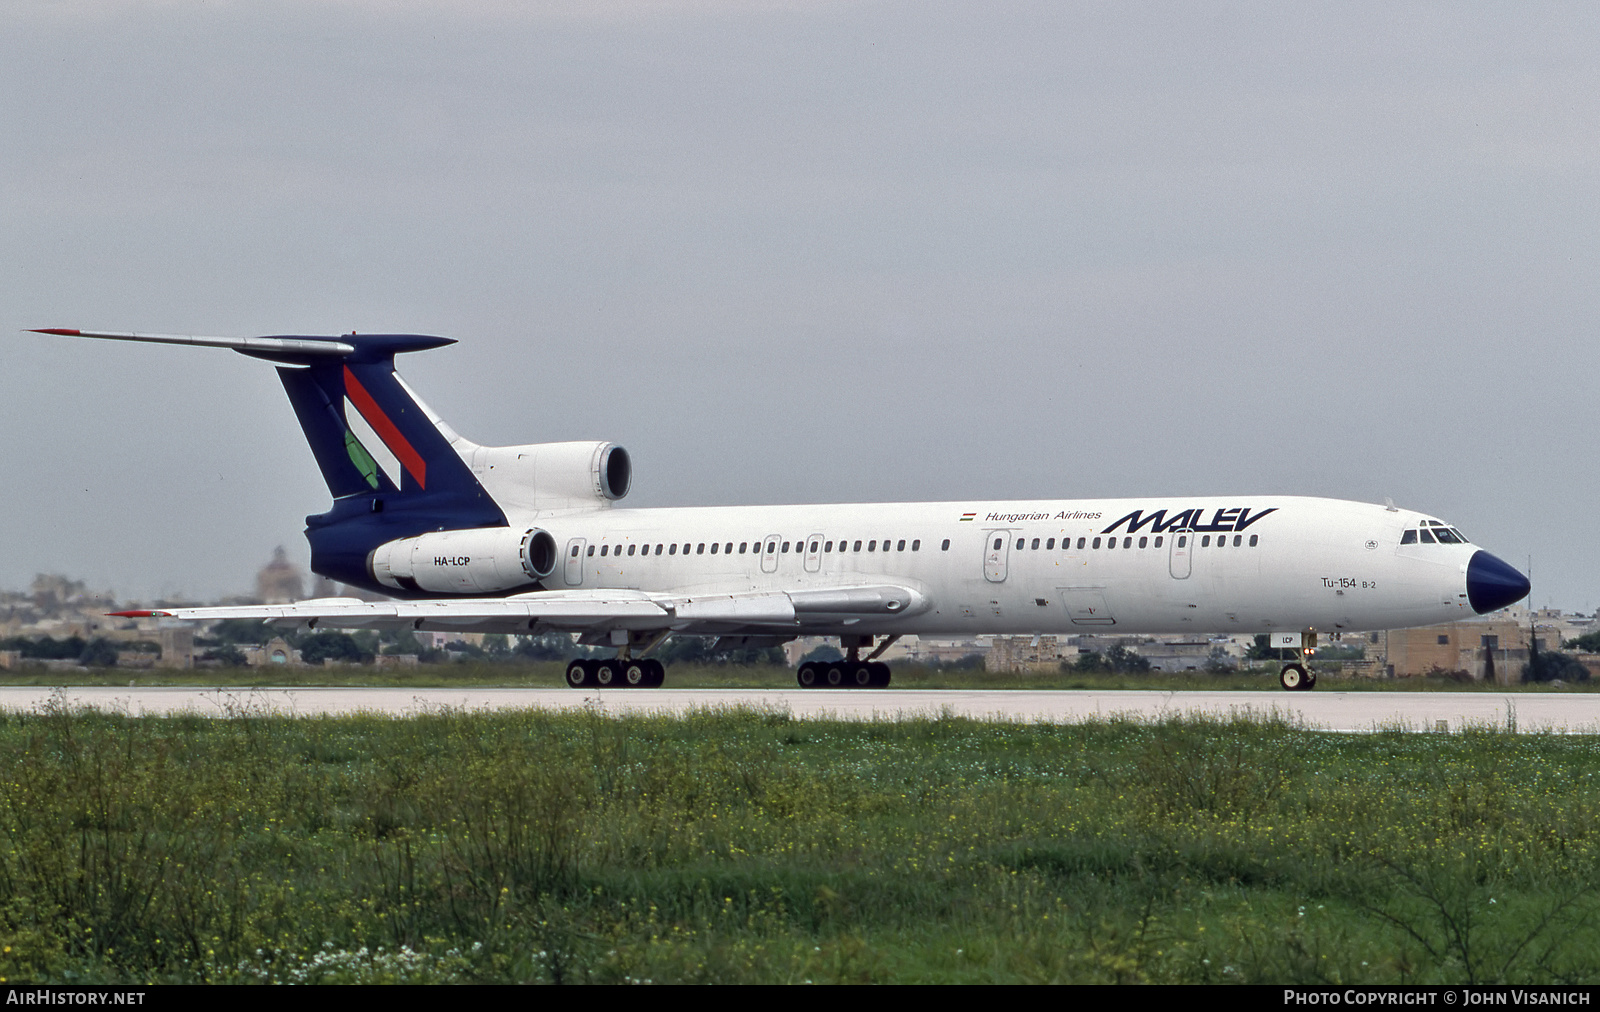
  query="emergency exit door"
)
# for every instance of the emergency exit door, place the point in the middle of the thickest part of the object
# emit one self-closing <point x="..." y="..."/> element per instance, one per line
<point x="996" y="555"/>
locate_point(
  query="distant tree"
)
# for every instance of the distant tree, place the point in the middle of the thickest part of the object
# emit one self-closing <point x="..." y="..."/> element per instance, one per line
<point x="1119" y="660"/>
<point x="1261" y="649"/>
<point x="241" y="631"/>
<point x="99" y="653"/>
<point x="227" y="655"/>
<point x="1588" y="643"/>
<point x="368" y="642"/>
<point x="823" y="654"/>
<point x="1124" y="661"/>
<point x="547" y="647"/>
<point x="402" y="642"/>
<point x="1554" y="666"/>
<point x="699" y="650"/>
<point x="1219" y="663"/>
<point x="46" y="648"/>
<point x="496" y="646"/>
<point x="335" y="646"/>
<point x="1089" y="660"/>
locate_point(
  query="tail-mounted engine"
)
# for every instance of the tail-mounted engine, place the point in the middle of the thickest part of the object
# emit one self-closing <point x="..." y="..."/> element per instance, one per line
<point x="544" y="476"/>
<point x="485" y="560"/>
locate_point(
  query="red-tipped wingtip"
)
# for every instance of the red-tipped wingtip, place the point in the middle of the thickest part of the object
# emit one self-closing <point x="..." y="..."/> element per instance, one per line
<point x="133" y="614"/>
<point x="62" y="331"/>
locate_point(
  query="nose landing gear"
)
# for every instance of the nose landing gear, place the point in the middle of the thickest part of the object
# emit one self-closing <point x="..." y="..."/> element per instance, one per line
<point x="1297" y="676"/>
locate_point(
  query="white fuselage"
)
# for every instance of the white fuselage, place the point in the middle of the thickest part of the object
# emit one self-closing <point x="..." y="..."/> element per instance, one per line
<point x="1249" y="564"/>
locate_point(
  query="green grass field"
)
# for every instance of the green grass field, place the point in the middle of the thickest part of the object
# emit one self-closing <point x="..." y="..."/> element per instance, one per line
<point x="750" y="847"/>
<point x="731" y="676"/>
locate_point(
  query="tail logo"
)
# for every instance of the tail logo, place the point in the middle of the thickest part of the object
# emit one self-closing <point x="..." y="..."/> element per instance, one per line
<point x="386" y="431"/>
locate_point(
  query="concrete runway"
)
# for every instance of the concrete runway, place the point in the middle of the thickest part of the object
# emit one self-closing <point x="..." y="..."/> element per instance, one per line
<point x="1324" y="710"/>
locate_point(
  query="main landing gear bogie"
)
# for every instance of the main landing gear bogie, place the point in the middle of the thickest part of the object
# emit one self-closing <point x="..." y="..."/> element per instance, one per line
<point x="615" y="673"/>
<point x="843" y="674"/>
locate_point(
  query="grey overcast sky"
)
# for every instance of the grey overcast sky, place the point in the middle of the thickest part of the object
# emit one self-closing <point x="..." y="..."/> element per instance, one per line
<point x="807" y="252"/>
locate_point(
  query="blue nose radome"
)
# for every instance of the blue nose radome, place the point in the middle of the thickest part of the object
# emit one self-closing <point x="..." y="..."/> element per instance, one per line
<point x="1492" y="584"/>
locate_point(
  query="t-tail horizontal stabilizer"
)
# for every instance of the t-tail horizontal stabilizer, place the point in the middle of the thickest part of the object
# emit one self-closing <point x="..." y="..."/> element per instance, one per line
<point x="430" y="487"/>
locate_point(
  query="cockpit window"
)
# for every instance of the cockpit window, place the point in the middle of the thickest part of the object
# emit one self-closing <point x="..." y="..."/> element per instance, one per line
<point x="1433" y="532"/>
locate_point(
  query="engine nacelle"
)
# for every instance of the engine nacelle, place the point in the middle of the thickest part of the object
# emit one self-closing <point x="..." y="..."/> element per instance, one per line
<point x="541" y="476"/>
<point x="480" y="561"/>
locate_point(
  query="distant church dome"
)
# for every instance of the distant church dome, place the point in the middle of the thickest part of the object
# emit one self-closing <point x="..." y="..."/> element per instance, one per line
<point x="280" y="581"/>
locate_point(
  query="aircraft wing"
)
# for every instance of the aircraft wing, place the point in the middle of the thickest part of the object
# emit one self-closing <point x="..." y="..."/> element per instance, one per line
<point x="582" y="611"/>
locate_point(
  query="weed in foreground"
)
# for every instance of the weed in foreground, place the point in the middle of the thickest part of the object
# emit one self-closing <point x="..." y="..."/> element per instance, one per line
<point x="742" y="846"/>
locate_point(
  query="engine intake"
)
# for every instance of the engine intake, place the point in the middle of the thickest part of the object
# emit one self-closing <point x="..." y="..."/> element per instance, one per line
<point x="480" y="561"/>
<point x="540" y="476"/>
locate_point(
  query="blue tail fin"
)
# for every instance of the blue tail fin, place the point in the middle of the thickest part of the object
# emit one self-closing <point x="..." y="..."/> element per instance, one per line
<point x="324" y="387"/>
<point x="436" y="488"/>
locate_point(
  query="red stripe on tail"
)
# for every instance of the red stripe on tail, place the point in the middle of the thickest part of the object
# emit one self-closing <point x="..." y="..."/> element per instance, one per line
<point x="397" y="443"/>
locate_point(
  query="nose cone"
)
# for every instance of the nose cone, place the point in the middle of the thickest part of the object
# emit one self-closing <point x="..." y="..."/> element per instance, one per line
<point x="1491" y="584"/>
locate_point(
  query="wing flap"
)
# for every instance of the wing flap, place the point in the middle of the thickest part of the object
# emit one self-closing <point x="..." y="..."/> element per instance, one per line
<point x="578" y="610"/>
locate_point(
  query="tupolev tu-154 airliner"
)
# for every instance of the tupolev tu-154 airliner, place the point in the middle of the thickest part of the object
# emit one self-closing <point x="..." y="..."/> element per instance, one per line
<point x="527" y="539"/>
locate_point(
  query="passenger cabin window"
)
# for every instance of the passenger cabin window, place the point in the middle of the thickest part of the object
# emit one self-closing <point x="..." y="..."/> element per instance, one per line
<point x="944" y="546"/>
<point x="604" y="549"/>
<point x="1096" y="542"/>
<point x="1205" y="542"/>
<point x="742" y="545"/>
<point x="1035" y="545"/>
<point x="1127" y="542"/>
<point x="1143" y="542"/>
<point x="916" y="546"/>
<point x="700" y="549"/>
<point x="574" y="551"/>
<point x="900" y="545"/>
<point x="1253" y="539"/>
<point x="729" y="549"/>
<point x="785" y="547"/>
<point x="714" y="548"/>
<point x="828" y="547"/>
<point x="672" y="549"/>
<point x="630" y="549"/>
<point x="872" y="546"/>
<point x="1049" y="544"/>
<point x="997" y="544"/>
<point x="857" y="548"/>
